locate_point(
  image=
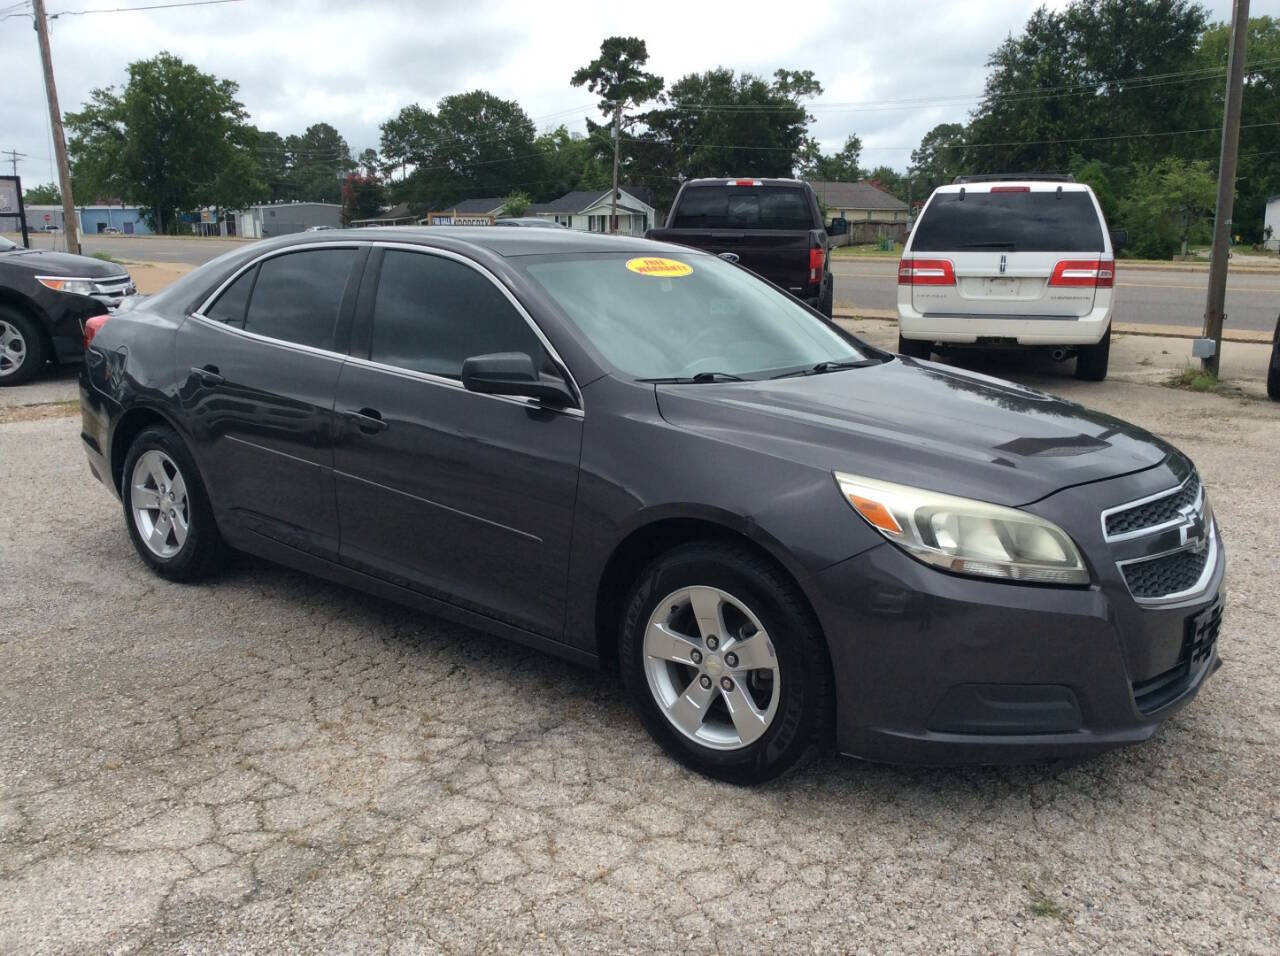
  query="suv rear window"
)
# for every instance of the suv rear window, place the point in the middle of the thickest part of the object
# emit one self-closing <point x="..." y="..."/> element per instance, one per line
<point x="743" y="207"/>
<point x="1010" y="222"/>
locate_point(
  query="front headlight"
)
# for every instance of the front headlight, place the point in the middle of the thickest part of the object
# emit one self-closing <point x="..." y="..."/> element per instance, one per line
<point x="965" y="536"/>
<point x="74" y="286"/>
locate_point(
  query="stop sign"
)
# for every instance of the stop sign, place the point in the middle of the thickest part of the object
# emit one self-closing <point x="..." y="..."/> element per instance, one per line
<point x="46" y="217"/>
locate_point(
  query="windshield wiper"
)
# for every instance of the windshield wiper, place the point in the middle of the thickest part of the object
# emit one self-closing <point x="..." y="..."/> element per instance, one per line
<point x="822" y="367"/>
<point x="700" y="379"/>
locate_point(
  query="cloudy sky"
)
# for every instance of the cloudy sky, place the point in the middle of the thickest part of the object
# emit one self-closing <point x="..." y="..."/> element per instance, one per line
<point x="354" y="64"/>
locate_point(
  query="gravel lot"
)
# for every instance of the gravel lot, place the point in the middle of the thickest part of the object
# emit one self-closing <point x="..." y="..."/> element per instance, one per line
<point x="268" y="764"/>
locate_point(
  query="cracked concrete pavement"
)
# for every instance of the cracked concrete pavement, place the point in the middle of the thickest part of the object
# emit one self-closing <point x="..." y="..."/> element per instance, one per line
<point x="269" y="763"/>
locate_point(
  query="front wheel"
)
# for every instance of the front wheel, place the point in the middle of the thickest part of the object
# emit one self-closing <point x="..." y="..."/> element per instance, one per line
<point x="725" y="663"/>
<point x="22" y="348"/>
<point x="1092" y="360"/>
<point x="166" y="508"/>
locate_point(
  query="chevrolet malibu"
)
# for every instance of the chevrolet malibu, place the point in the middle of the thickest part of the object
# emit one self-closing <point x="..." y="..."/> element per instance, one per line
<point x="636" y="455"/>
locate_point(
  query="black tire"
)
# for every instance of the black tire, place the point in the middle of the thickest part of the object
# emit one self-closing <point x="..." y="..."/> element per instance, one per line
<point x="29" y="342"/>
<point x="1273" y="373"/>
<point x="202" y="551"/>
<point x="1092" y="360"/>
<point x="914" y="348"/>
<point x="828" y="303"/>
<point x="804" y="710"/>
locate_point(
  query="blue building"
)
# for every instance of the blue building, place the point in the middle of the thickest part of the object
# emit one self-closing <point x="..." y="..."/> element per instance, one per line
<point x="127" y="219"/>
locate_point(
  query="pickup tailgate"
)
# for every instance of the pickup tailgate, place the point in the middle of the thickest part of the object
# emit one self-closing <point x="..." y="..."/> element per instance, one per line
<point x="780" y="257"/>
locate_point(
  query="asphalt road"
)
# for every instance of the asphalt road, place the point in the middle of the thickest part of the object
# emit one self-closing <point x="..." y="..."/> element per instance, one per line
<point x="1155" y="296"/>
<point x="193" y="251"/>
<point x="269" y="763"/>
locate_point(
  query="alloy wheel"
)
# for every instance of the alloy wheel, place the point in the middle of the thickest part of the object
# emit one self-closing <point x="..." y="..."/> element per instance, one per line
<point x="711" y="668"/>
<point x="158" y="496"/>
<point x="13" y="349"/>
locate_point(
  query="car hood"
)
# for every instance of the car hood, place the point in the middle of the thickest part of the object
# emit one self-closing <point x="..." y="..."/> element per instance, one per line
<point x="45" y="262"/>
<point x="920" y="424"/>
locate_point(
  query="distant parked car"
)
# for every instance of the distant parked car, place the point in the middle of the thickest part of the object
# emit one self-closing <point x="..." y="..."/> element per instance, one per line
<point x="774" y="227"/>
<point x="111" y="231"/>
<point x="533" y="221"/>
<point x="318" y="228"/>
<point x="1010" y="262"/>
<point x="47" y="301"/>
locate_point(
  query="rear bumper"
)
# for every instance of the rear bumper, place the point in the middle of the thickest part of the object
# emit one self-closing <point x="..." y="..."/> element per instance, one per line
<point x="967" y="329"/>
<point x="933" y="668"/>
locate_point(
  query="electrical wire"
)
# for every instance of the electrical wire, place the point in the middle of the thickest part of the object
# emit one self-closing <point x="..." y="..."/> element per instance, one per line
<point x="154" y="6"/>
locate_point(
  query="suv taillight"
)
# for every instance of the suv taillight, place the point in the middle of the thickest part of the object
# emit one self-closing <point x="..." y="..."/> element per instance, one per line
<point x="926" y="272"/>
<point x="92" y="326"/>
<point x="1092" y="273"/>
<point x="817" y="259"/>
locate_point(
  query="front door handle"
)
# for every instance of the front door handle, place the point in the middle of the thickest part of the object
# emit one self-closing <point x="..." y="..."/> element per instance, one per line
<point x="208" y="375"/>
<point x="368" y="420"/>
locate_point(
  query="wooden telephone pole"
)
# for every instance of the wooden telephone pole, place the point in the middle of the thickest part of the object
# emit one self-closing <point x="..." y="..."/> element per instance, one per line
<point x="69" y="224"/>
<point x="1215" y="301"/>
<point x="613" y="196"/>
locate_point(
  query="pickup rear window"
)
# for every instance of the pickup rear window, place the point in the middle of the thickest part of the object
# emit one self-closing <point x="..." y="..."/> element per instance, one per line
<point x="1009" y="222"/>
<point x="743" y="207"/>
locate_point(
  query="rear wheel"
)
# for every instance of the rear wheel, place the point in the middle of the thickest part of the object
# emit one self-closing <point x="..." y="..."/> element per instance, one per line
<point x="1273" y="373"/>
<point x="22" y="348"/>
<point x="724" y="662"/>
<point x="914" y="348"/>
<point x="827" y="304"/>
<point x="166" y="508"/>
<point x="1092" y="360"/>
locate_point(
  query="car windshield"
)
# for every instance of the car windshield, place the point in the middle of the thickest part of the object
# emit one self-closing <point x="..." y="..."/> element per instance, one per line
<point x="1009" y="222"/>
<point x="7" y="245"/>
<point x="680" y="316"/>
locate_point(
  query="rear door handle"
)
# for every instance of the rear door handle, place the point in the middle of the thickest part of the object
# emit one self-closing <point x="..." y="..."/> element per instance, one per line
<point x="368" y="420"/>
<point x="208" y="375"/>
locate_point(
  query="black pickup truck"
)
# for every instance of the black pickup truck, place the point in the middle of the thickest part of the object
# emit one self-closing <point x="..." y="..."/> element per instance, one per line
<point x="773" y="227"/>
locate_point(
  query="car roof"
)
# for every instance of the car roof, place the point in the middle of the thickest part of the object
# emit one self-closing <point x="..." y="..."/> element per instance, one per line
<point x="502" y="242"/>
<point x="1036" y="186"/>
<point x="726" y="180"/>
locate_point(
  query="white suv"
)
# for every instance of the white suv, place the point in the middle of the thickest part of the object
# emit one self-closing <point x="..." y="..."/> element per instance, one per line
<point x="1005" y="262"/>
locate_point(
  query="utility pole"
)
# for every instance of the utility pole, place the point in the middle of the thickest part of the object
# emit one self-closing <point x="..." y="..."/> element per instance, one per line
<point x="70" y="226"/>
<point x="1217" y="295"/>
<point x="613" y="196"/>
<point x="14" y="156"/>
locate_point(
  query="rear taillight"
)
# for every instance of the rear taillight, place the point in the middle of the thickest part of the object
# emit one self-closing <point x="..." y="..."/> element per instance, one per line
<point x="1085" y="273"/>
<point x="817" y="259"/>
<point x="91" y="327"/>
<point x="926" y="272"/>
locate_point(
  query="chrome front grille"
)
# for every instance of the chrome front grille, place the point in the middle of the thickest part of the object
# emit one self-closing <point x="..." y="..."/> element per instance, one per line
<point x="1153" y="513"/>
<point x="1165" y="543"/>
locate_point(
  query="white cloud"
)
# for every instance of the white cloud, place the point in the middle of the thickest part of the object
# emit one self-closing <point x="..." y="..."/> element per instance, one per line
<point x="355" y="64"/>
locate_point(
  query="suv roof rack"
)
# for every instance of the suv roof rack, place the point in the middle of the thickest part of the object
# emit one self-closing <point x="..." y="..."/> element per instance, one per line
<point x="1020" y="177"/>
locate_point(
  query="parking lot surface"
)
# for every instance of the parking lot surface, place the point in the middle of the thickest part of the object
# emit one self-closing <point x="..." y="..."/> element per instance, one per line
<point x="269" y="763"/>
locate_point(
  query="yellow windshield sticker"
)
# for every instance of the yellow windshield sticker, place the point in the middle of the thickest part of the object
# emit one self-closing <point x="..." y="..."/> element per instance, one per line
<point x="661" y="268"/>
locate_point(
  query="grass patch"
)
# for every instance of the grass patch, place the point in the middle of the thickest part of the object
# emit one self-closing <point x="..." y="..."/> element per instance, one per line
<point x="1194" y="380"/>
<point x="866" y="251"/>
<point x="1042" y="906"/>
<point x="107" y="257"/>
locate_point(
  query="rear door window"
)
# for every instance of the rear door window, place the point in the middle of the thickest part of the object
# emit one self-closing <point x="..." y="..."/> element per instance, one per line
<point x="1009" y="222"/>
<point x="230" y="307"/>
<point x="298" y="295"/>
<point x="432" y="313"/>
<point x="744" y="207"/>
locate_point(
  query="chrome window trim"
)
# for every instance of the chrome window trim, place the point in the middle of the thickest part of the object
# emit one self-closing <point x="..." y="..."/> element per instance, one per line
<point x="282" y="343"/>
<point x="199" y="313"/>
<point x="1177" y="597"/>
<point x="1155" y="528"/>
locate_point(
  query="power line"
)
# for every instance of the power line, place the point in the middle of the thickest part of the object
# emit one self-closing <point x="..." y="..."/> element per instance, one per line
<point x="155" y="6"/>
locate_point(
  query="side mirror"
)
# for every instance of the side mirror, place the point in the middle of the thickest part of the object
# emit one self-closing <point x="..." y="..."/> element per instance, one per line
<point x="513" y="373"/>
<point x="838" y="227"/>
<point x="1119" y="239"/>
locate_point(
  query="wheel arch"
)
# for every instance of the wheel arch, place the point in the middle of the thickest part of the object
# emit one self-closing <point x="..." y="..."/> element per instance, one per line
<point x="662" y="533"/>
<point x="17" y="301"/>
<point x="130" y="425"/>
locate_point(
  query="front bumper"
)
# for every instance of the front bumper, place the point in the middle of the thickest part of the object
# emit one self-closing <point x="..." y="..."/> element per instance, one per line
<point x="934" y="668"/>
<point x="967" y="329"/>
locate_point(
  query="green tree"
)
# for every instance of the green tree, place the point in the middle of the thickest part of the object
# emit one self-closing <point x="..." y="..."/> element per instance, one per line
<point x="720" y="123"/>
<point x="318" y="160"/>
<point x="938" y="159"/>
<point x="516" y="204"/>
<point x="1170" y="203"/>
<point x="841" y="166"/>
<point x="371" y="163"/>
<point x="570" y="162"/>
<point x="1101" y="179"/>
<point x="1094" y="77"/>
<point x="273" y="163"/>
<point x="47" y="194"/>
<point x="890" y="180"/>
<point x="362" y="197"/>
<point x="618" y="76"/>
<point x="166" y="140"/>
